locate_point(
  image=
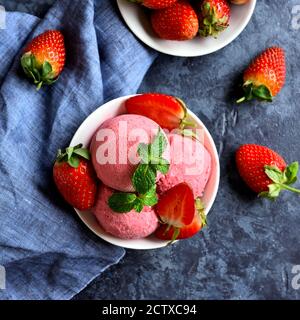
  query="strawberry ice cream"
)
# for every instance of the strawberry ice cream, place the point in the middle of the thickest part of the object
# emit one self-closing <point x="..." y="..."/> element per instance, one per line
<point x="190" y="163"/>
<point x="131" y="225"/>
<point x="114" y="149"/>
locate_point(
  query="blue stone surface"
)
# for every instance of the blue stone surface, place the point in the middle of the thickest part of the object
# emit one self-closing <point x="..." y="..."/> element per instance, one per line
<point x="250" y="245"/>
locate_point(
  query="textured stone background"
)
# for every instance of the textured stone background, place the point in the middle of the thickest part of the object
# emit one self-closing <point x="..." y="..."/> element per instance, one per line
<point x="250" y="245"/>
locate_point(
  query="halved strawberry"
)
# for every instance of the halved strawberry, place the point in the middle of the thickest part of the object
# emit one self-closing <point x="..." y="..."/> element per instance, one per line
<point x="176" y="207"/>
<point x="169" y="112"/>
<point x="165" y="232"/>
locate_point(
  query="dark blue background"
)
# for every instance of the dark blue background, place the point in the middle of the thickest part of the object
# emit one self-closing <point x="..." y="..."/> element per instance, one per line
<point x="250" y="245"/>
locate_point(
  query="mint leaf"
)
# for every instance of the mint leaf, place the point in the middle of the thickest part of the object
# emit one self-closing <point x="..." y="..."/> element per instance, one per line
<point x="162" y="167"/>
<point x="158" y="145"/>
<point x="291" y="172"/>
<point x="150" y="198"/>
<point x="122" y="202"/>
<point x="144" y="152"/>
<point x="138" y="205"/>
<point x="275" y="174"/>
<point x="143" y="178"/>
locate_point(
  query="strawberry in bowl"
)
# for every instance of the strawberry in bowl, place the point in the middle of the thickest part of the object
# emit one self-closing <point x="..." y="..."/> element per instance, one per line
<point x="186" y="28"/>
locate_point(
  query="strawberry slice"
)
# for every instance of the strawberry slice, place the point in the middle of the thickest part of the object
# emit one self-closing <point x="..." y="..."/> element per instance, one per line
<point x="169" y="112"/>
<point x="165" y="232"/>
<point x="176" y="207"/>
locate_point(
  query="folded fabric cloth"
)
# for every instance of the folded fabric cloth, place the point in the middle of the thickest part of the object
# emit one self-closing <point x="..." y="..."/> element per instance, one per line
<point x="46" y="251"/>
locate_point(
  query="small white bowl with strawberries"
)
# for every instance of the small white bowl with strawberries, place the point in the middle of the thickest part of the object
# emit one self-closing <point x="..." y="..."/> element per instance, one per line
<point x="187" y="28"/>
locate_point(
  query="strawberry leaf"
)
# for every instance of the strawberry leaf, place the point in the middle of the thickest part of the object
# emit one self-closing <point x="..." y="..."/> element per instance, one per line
<point x="275" y="174"/>
<point x="46" y="69"/>
<point x="83" y="152"/>
<point x="282" y="180"/>
<point x="291" y="172"/>
<point x="73" y="161"/>
<point x="263" y="93"/>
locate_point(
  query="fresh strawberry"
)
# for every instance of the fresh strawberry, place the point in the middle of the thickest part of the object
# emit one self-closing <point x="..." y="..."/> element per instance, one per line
<point x="178" y="22"/>
<point x="169" y="112"/>
<point x="155" y="4"/>
<point x="75" y="178"/>
<point x="214" y="17"/>
<point x="265" y="171"/>
<point x="265" y="77"/>
<point x="165" y="232"/>
<point x="44" y="57"/>
<point x="176" y="207"/>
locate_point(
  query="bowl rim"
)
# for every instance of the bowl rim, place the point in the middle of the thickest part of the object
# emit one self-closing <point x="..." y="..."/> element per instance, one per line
<point x="123" y="10"/>
<point x="83" y="214"/>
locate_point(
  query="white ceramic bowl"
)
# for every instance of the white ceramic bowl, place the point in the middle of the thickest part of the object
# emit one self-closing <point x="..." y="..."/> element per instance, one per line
<point x="136" y="19"/>
<point x="84" y="134"/>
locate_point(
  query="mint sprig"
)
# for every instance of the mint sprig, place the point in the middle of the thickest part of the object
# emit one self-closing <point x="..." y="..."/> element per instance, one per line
<point x="122" y="202"/>
<point x="282" y="180"/>
<point x="152" y="161"/>
<point x="144" y="177"/>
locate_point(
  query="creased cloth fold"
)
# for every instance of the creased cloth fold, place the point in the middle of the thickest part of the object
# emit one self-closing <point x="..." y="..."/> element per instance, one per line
<point x="46" y="251"/>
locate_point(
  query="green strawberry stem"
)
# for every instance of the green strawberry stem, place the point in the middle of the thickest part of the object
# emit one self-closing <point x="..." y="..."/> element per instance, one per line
<point x="252" y="91"/>
<point x="282" y="180"/>
<point x="212" y="25"/>
<point x="72" y="155"/>
<point x="284" y="186"/>
<point x="185" y="123"/>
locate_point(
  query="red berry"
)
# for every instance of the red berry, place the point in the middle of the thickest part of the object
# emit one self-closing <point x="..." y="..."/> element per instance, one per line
<point x="44" y="57"/>
<point x="214" y="17"/>
<point x="265" y="76"/>
<point x="178" y="22"/>
<point x="169" y="112"/>
<point x="155" y="4"/>
<point x="251" y="160"/>
<point x="75" y="178"/>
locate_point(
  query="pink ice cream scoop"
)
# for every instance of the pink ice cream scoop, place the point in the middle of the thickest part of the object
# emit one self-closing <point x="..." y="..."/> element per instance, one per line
<point x="131" y="225"/>
<point x="114" y="148"/>
<point x="190" y="163"/>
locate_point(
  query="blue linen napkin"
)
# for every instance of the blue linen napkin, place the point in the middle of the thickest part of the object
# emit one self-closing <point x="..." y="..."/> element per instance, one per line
<point x="46" y="251"/>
